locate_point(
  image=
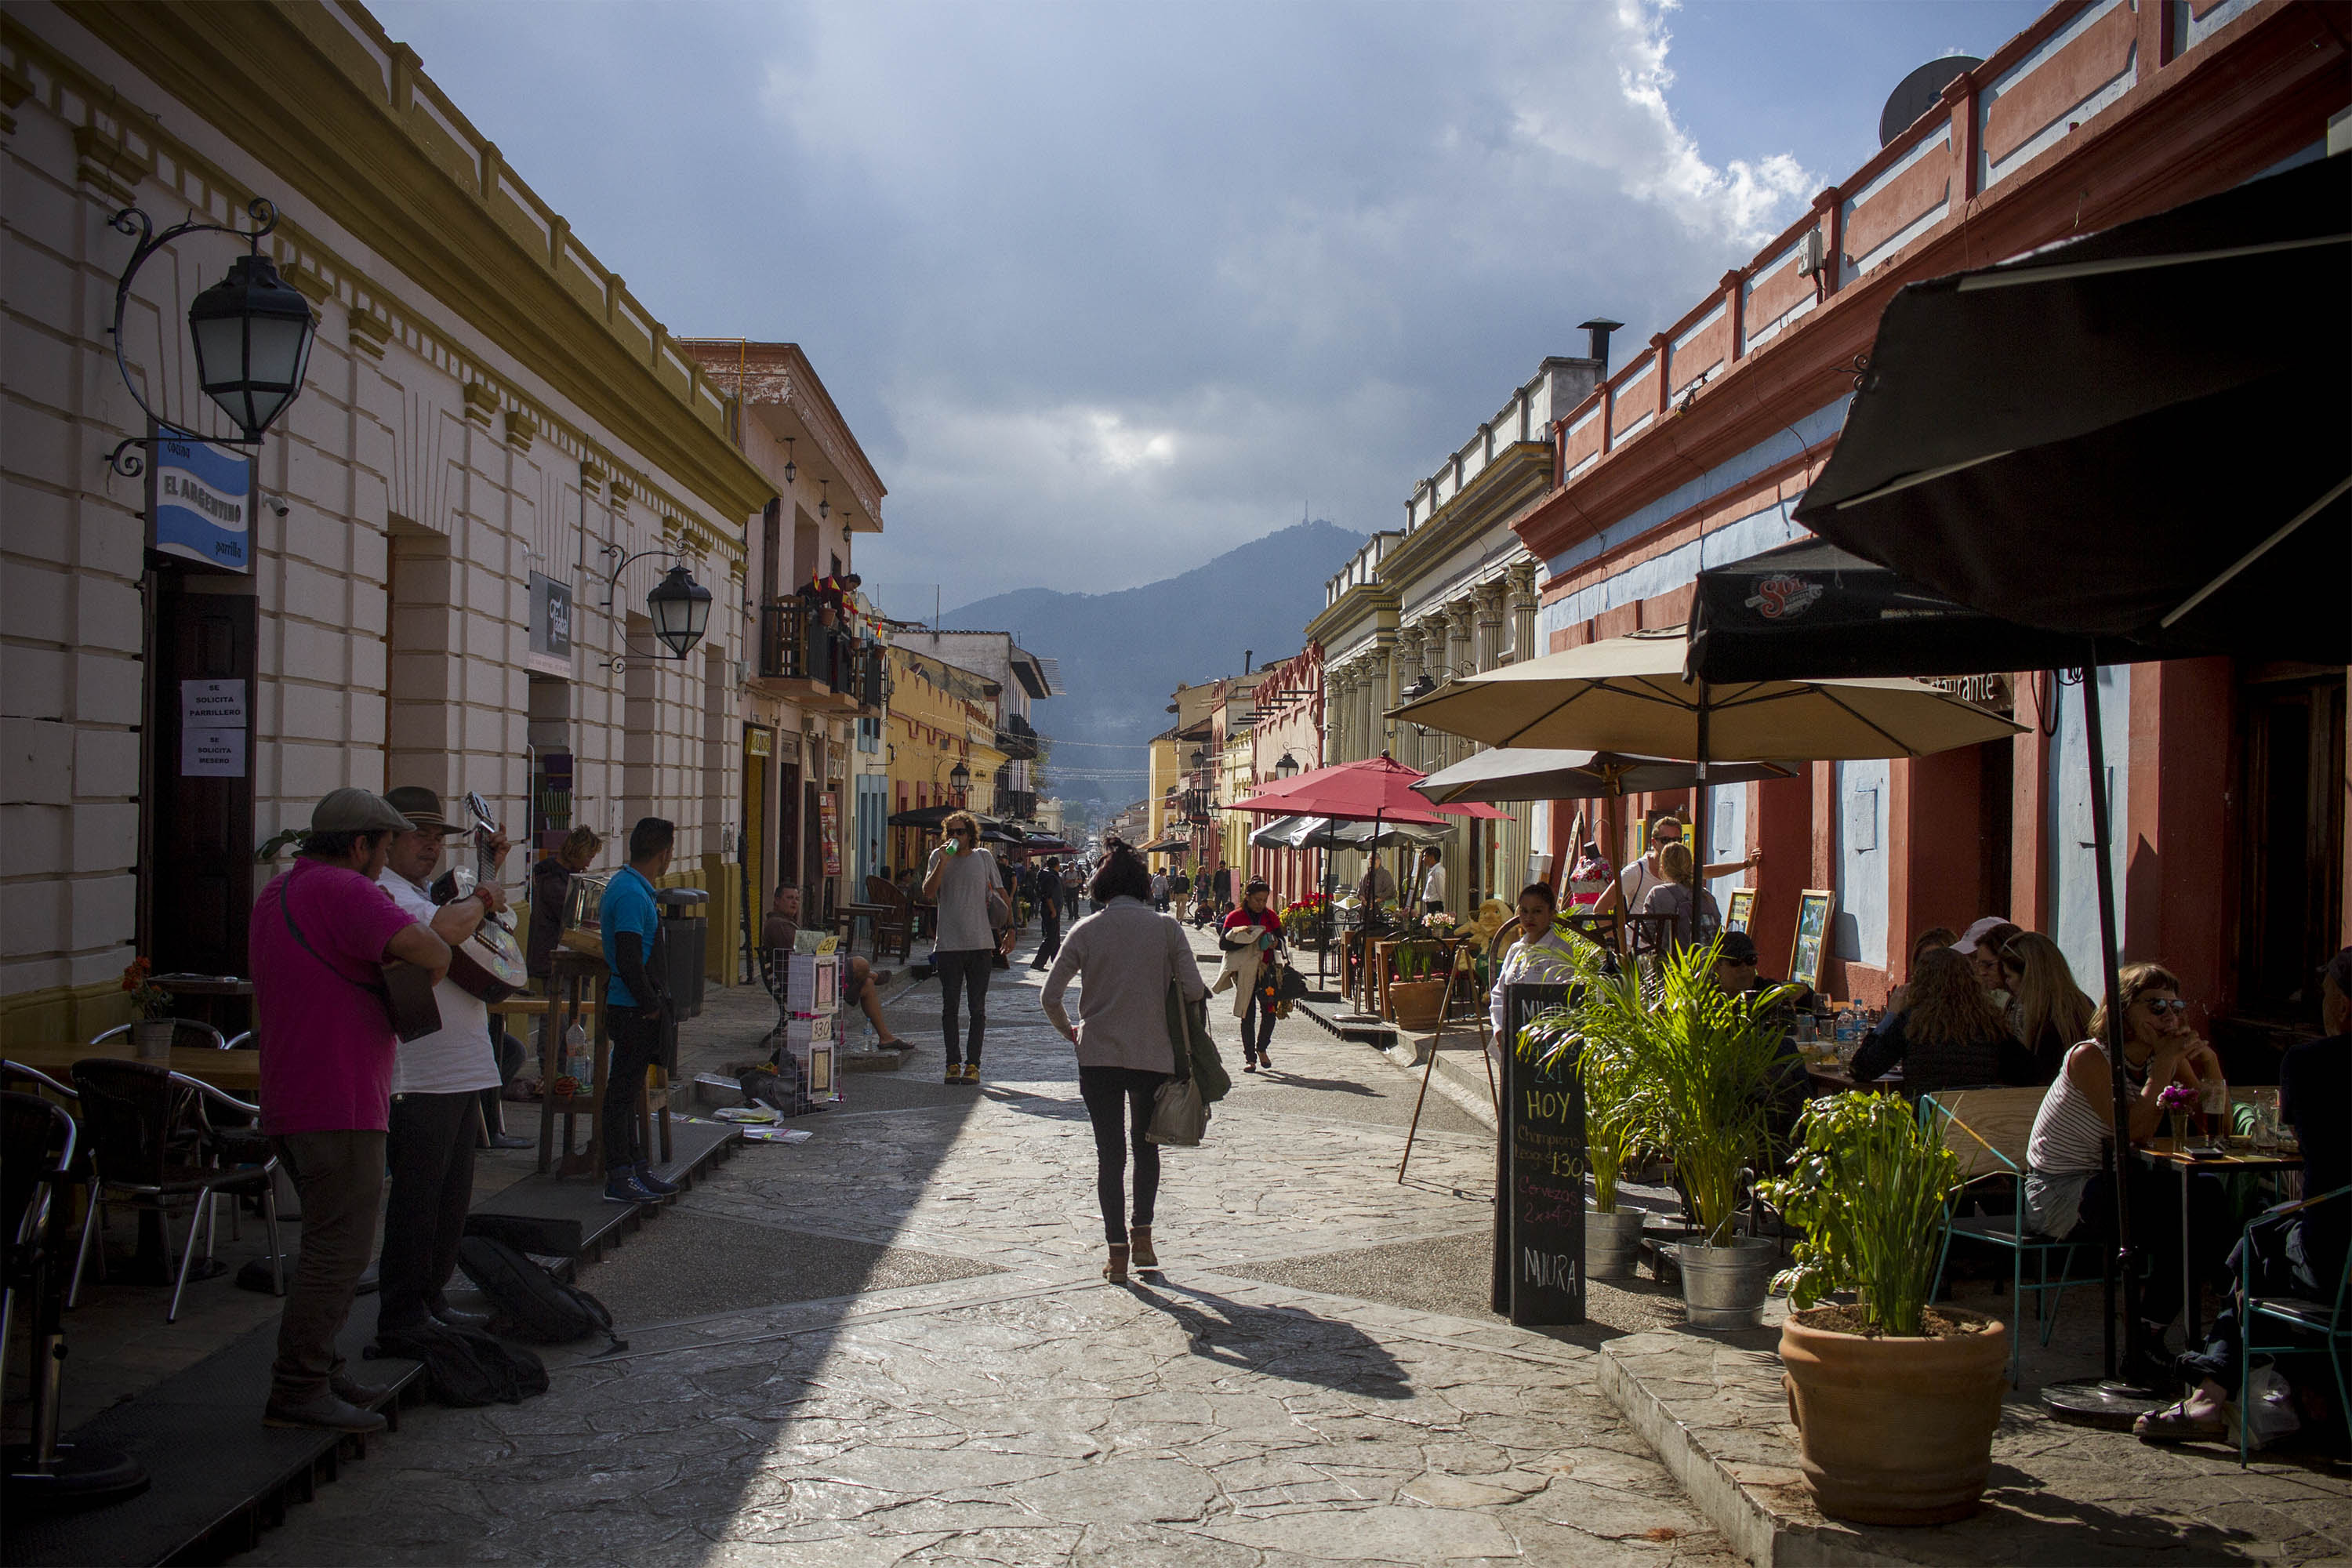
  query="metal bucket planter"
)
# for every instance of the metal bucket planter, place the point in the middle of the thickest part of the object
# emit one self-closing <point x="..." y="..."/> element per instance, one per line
<point x="150" y="1039"/>
<point x="1611" y="1242"/>
<point x="1725" y="1287"/>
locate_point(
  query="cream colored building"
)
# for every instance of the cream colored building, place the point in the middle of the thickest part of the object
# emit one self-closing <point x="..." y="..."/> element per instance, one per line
<point x="490" y="419"/>
<point x="1451" y="594"/>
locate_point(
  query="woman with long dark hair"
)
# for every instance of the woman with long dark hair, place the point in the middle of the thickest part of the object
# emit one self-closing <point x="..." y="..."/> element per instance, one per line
<point x="1123" y="959"/>
<point x="1948" y="1035"/>
<point x="2047" y="1011"/>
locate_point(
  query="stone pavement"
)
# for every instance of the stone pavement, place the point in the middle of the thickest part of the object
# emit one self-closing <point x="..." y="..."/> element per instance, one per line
<point x="966" y="1388"/>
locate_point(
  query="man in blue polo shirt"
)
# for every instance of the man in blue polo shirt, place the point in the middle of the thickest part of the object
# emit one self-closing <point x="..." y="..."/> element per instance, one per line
<point x="635" y="1005"/>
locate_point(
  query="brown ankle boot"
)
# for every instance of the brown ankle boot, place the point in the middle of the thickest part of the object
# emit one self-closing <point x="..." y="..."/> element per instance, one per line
<point x="1138" y="1238"/>
<point x="1115" y="1270"/>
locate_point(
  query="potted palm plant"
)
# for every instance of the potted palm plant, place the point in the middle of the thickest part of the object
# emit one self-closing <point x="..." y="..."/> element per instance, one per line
<point x="1895" y="1401"/>
<point x="1704" y="1058"/>
<point x="1608" y="1065"/>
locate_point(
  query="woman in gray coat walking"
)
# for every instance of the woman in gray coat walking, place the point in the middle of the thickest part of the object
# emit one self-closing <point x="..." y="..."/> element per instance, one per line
<point x="1123" y="959"/>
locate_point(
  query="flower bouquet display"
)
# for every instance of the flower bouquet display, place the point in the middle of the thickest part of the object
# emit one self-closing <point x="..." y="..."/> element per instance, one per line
<point x="152" y="1028"/>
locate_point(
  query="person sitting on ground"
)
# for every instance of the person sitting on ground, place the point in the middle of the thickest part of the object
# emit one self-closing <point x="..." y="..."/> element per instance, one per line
<point x="2304" y="1254"/>
<point x="2069" y="1183"/>
<point x="781" y="930"/>
<point x="1949" y="1034"/>
<point x="2049" y="1012"/>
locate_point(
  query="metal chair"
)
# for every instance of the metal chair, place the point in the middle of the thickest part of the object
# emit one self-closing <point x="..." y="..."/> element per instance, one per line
<point x="2323" y="1319"/>
<point x="152" y="1141"/>
<point x="244" y="1042"/>
<point x="191" y="1032"/>
<point x="38" y="1156"/>
<point x="1987" y="1128"/>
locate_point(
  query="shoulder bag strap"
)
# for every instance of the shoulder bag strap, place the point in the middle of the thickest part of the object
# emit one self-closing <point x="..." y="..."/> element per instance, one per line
<point x="287" y="909"/>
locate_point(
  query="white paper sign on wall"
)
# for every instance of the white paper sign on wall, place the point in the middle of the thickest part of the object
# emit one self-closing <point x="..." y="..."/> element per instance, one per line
<point x="213" y="724"/>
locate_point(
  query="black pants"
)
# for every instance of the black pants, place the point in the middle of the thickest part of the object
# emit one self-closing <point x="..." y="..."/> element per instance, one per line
<point x="430" y="1148"/>
<point x="1119" y="1103"/>
<point x="1260" y="1012"/>
<point x="2156" y="1231"/>
<point x="1049" y="942"/>
<point x="964" y="972"/>
<point x="636" y="1047"/>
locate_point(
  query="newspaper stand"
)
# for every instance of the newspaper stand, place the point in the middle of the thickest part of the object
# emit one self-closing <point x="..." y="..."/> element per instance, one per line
<point x="812" y="1002"/>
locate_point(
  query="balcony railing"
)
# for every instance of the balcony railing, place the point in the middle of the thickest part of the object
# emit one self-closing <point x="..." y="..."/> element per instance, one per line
<point x="795" y="646"/>
<point x="1017" y="740"/>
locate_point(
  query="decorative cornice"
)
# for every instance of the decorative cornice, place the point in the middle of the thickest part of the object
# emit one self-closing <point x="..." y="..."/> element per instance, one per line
<point x="342" y="115"/>
<point x="481" y="403"/>
<point x="520" y="428"/>
<point x="71" y="90"/>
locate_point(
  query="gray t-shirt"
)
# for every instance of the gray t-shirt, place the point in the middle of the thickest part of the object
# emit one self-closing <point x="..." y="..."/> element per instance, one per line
<point x="963" y="899"/>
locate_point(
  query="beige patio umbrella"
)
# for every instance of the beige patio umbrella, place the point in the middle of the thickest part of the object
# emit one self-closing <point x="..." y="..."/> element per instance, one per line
<point x="1628" y="694"/>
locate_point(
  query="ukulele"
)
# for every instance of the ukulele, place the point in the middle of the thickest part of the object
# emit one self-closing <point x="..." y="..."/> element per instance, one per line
<point x="489" y="964"/>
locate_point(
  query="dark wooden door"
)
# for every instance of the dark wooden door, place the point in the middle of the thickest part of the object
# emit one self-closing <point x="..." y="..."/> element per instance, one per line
<point x="2293" y="888"/>
<point x="196" y="883"/>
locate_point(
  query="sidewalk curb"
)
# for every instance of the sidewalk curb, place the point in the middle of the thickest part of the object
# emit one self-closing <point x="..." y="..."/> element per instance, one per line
<point x="1758" y="1501"/>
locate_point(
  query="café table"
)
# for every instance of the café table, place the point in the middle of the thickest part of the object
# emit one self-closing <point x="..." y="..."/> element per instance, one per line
<point x="236" y="1072"/>
<point x="845" y="923"/>
<point x="2234" y="1157"/>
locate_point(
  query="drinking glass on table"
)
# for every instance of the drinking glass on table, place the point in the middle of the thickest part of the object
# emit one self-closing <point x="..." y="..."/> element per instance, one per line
<point x="2214" y="1103"/>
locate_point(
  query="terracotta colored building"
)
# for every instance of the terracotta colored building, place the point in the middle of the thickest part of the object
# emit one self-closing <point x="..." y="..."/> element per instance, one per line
<point x="2230" y="791"/>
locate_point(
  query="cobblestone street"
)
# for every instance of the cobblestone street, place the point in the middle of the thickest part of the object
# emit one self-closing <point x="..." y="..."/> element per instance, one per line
<point x="892" y="1344"/>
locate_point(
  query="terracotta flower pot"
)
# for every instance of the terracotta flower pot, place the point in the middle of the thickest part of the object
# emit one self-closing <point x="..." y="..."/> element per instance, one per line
<point x="1894" y="1431"/>
<point x="1416" y="1004"/>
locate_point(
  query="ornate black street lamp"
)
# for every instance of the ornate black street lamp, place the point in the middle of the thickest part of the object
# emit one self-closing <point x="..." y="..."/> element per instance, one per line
<point x="1287" y="767"/>
<point x="959" y="780"/>
<point x="678" y="607"/>
<point x="251" y="333"/>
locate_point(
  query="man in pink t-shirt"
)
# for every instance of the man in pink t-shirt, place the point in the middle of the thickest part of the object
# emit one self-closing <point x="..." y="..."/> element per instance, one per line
<point x="320" y="934"/>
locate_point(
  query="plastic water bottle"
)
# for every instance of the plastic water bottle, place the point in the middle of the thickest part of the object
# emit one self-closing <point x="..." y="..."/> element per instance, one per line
<point x="576" y="1065"/>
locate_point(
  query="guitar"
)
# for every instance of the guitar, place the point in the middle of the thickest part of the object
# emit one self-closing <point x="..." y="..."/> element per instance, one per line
<point x="489" y="964"/>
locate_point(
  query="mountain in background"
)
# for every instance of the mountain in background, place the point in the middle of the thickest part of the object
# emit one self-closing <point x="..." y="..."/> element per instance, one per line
<point x="1121" y="654"/>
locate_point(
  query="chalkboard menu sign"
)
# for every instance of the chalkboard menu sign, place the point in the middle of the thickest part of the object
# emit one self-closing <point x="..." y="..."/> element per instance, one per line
<point x="1541" y="1220"/>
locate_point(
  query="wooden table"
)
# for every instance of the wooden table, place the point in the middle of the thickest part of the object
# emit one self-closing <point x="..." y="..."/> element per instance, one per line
<point x="2189" y="1159"/>
<point x="234" y="1072"/>
<point x="845" y="922"/>
<point x="224" y="1001"/>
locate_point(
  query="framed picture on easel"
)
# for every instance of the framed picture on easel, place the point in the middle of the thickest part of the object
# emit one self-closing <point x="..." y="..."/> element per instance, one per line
<point x="1813" y="906"/>
<point x="1742" y="910"/>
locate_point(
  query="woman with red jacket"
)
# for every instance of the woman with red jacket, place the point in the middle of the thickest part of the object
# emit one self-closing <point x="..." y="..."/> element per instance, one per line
<point x="1251" y="937"/>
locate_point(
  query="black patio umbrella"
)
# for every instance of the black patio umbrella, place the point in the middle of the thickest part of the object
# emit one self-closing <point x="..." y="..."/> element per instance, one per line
<point x="2145" y="433"/>
<point x="930" y="816"/>
<point x="2048" y="444"/>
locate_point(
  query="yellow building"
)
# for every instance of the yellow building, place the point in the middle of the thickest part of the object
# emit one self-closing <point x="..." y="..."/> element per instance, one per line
<point x="942" y="717"/>
<point x="1167" y="781"/>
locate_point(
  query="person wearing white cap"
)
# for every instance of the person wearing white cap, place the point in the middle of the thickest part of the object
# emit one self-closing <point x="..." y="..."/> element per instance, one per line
<point x="1980" y="945"/>
<point x="320" y="933"/>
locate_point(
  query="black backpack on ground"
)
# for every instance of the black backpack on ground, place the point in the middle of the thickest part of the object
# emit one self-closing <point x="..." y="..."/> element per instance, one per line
<point x="466" y="1367"/>
<point x="528" y="1302"/>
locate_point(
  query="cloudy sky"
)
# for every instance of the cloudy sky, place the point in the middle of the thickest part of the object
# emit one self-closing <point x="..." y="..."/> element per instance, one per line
<point x="1105" y="289"/>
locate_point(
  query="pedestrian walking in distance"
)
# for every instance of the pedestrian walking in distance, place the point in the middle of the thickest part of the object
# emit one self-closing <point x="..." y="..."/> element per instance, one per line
<point x="963" y="880"/>
<point x="1123" y="959"/>
<point x="1251" y="938"/>
<point x="1049" y="914"/>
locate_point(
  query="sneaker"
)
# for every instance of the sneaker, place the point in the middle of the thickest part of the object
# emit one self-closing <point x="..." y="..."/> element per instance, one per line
<point x="654" y="1185"/>
<point x="955" y="1073"/>
<point x="972" y="1072"/>
<point x="624" y="1188"/>
<point x="512" y="1141"/>
<point x="351" y="1392"/>
<point x="1249" y="1066"/>
<point x="327" y="1412"/>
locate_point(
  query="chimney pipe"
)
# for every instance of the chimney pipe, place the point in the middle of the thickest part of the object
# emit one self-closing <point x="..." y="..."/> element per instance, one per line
<point x="1598" y="329"/>
<point x="1246" y="659"/>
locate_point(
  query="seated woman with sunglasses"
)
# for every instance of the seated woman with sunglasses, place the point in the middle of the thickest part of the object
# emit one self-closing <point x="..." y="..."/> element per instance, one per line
<point x="2069" y="1185"/>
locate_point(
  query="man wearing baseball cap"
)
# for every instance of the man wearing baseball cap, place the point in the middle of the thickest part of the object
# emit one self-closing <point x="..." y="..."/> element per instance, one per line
<point x="320" y="933"/>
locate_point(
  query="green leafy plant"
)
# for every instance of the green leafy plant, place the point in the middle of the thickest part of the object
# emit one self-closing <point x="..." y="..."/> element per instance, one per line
<point x="1415" y="960"/>
<point x="1868" y="1187"/>
<point x="1616" y="1114"/>
<point x="1697" y="1062"/>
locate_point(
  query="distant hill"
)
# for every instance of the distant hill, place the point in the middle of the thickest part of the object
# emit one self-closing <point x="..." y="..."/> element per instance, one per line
<point x="1121" y="654"/>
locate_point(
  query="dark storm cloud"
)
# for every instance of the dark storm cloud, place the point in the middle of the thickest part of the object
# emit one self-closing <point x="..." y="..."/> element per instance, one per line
<point x="1106" y="290"/>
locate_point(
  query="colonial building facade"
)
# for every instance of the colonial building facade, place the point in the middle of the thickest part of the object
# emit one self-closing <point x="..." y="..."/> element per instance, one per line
<point x="498" y="450"/>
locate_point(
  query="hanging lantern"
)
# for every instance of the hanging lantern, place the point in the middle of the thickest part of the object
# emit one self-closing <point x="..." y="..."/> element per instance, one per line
<point x="252" y="335"/>
<point x="680" y="608"/>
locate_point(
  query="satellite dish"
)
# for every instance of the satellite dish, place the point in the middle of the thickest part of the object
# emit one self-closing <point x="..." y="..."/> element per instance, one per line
<point x="1916" y="94"/>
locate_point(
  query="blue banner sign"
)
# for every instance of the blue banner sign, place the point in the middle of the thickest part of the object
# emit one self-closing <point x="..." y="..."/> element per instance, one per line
<point x="203" y="503"/>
